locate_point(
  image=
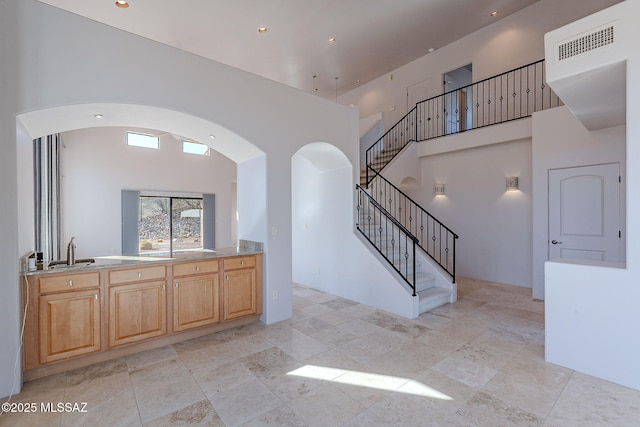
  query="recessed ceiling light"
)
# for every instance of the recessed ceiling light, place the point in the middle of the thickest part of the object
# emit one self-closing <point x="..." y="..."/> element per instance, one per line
<point x="431" y="49"/>
<point x="494" y="13"/>
<point x="122" y="4"/>
<point x="358" y="81"/>
<point x="212" y="136"/>
<point x="262" y="30"/>
<point x="98" y="116"/>
<point x="332" y="40"/>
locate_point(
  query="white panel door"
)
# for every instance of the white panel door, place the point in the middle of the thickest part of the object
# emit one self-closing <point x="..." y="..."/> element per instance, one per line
<point x="418" y="92"/>
<point x="584" y="213"/>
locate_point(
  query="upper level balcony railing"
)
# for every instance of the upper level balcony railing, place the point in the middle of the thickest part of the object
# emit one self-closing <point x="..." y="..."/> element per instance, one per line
<point x="508" y="96"/>
<point x="512" y="95"/>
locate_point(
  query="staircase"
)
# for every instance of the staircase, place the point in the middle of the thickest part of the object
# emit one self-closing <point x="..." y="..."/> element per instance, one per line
<point x="419" y="247"/>
<point x="401" y="250"/>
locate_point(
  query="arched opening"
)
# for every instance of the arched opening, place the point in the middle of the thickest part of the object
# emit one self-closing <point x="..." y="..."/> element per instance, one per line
<point x="92" y="205"/>
<point x="320" y="196"/>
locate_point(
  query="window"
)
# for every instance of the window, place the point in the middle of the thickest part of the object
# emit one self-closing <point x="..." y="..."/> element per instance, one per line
<point x="191" y="147"/>
<point x="142" y="140"/>
<point x="170" y="225"/>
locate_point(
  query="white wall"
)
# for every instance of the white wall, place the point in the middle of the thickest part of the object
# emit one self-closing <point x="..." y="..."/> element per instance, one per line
<point x="561" y="141"/>
<point x="511" y="42"/>
<point x="97" y="164"/>
<point x="591" y="311"/>
<point x="496" y="237"/>
<point x="494" y="225"/>
<point x="374" y="126"/>
<point x="324" y="244"/>
<point x="10" y="249"/>
<point x="54" y="62"/>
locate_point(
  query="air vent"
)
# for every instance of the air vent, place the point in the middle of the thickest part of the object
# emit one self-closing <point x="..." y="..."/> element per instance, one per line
<point x="586" y="43"/>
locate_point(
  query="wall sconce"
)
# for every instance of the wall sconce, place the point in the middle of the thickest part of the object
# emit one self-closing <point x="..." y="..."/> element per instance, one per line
<point x="439" y="189"/>
<point x="512" y="183"/>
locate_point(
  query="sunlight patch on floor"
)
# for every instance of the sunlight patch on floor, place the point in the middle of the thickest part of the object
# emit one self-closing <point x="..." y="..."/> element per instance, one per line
<point x="370" y="380"/>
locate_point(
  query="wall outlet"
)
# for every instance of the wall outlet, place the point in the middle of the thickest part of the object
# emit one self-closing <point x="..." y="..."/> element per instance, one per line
<point x="392" y="108"/>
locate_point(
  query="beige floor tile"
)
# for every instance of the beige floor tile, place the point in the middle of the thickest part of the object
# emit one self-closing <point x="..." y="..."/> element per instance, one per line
<point x="106" y="397"/>
<point x="334" y="337"/>
<point x="28" y="419"/>
<point x="406" y="364"/>
<point x="365" y="418"/>
<point x="432" y="321"/>
<point x="396" y="324"/>
<point x="288" y="386"/>
<point x="333" y="358"/>
<point x="443" y="341"/>
<point x="310" y="325"/>
<point x="325" y="406"/>
<point x="484" y="410"/>
<point x="358" y="310"/>
<point x="149" y="357"/>
<point x="282" y="416"/>
<point x="460" y="329"/>
<point x="303" y="348"/>
<point x="163" y="388"/>
<point x="339" y="303"/>
<point x="404" y="410"/>
<point x="316" y="309"/>
<point x="477" y="362"/>
<point x="588" y="401"/>
<point x="359" y="327"/>
<point x="244" y="402"/>
<point x="270" y="363"/>
<point x="91" y="374"/>
<point x="198" y="414"/>
<point x="336" y="317"/>
<point x="470" y="372"/>
<point x="364" y="349"/>
<point x="213" y="377"/>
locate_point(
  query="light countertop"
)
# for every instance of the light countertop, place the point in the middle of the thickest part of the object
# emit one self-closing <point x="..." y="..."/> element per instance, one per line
<point x="115" y="261"/>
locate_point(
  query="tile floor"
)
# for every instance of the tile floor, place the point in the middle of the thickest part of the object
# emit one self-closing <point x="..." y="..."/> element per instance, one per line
<point x="477" y="362"/>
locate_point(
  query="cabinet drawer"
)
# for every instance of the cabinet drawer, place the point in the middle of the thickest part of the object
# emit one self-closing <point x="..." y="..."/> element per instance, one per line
<point x="69" y="282"/>
<point x="240" y="262"/>
<point x="137" y="274"/>
<point x="199" y="267"/>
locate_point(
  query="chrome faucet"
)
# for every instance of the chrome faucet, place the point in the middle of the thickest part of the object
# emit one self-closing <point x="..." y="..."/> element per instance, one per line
<point x="71" y="252"/>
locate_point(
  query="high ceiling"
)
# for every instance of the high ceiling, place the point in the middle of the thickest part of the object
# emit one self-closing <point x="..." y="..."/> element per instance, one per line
<point x="372" y="37"/>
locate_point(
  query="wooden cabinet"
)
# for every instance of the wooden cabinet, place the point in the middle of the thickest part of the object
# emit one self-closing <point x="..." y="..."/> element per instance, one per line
<point x="78" y="317"/>
<point x="138" y="310"/>
<point x="68" y="316"/>
<point x="240" y="290"/>
<point x="196" y="293"/>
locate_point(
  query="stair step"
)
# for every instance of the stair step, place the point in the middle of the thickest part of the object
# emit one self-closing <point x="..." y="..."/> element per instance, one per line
<point x="424" y="281"/>
<point x="432" y="298"/>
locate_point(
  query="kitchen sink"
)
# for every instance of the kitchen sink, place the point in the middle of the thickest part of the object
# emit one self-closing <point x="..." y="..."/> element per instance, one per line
<point x="61" y="263"/>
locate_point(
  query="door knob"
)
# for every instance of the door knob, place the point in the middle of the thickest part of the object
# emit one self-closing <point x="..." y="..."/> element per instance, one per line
<point x="555" y="242"/>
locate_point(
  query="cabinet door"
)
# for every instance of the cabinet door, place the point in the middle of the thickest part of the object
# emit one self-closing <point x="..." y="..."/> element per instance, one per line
<point x="239" y="293"/>
<point x="137" y="312"/>
<point x="195" y="301"/>
<point x="69" y="324"/>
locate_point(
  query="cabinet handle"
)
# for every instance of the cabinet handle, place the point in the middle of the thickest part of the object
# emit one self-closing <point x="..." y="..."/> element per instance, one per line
<point x="226" y="277"/>
<point x="197" y="268"/>
<point x="242" y="262"/>
<point x="176" y="284"/>
<point x="70" y="282"/>
<point x="139" y="275"/>
<point x="96" y="296"/>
